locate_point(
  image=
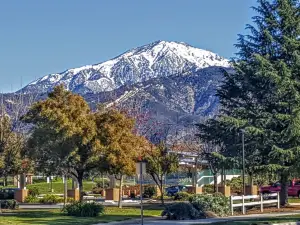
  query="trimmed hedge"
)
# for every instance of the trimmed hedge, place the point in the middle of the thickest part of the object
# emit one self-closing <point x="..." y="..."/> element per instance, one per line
<point x="82" y="209"/>
<point x="182" y="196"/>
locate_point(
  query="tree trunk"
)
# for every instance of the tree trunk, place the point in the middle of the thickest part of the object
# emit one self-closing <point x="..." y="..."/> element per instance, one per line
<point x="222" y="177"/>
<point x="284" y="190"/>
<point x="65" y="189"/>
<point x="120" y="192"/>
<point x="161" y="188"/>
<point x="80" y="184"/>
<point x="216" y="182"/>
<point x="5" y="181"/>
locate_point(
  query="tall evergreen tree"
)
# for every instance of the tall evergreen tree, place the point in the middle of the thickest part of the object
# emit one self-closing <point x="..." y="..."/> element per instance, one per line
<point x="262" y="96"/>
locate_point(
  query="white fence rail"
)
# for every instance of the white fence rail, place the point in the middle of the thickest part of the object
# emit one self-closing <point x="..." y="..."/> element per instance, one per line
<point x="258" y="200"/>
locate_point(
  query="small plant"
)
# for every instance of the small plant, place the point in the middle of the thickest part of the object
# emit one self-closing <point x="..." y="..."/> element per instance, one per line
<point x="97" y="190"/>
<point x="31" y="199"/>
<point x="51" y="199"/>
<point x="34" y="191"/>
<point x="182" y="196"/>
<point x="181" y="211"/>
<point x="149" y="192"/>
<point x="99" y="184"/>
<point x="216" y="203"/>
<point x="81" y="209"/>
<point x="208" y="188"/>
<point x="9" y="204"/>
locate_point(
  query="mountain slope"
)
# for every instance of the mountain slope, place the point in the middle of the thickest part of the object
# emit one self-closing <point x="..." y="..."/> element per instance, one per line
<point x="172" y="85"/>
<point x="158" y="59"/>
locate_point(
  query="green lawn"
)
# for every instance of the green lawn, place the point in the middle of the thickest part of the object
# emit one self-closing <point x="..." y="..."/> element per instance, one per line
<point x="58" y="186"/>
<point x="292" y="218"/>
<point x="53" y="217"/>
<point x="294" y="200"/>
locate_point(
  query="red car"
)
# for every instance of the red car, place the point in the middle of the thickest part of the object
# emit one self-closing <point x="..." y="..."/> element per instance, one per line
<point x="293" y="189"/>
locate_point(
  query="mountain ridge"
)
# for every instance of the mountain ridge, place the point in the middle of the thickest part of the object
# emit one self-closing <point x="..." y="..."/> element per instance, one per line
<point x="160" y="58"/>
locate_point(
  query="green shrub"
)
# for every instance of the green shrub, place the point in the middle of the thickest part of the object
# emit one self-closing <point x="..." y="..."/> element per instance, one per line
<point x="181" y="211"/>
<point x="182" y="196"/>
<point x="97" y="190"/>
<point x="236" y="184"/>
<point x="149" y="192"/>
<point x="208" y="188"/>
<point x="51" y="199"/>
<point x="9" y="204"/>
<point x="99" y="184"/>
<point x="216" y="203"/>
<point x="31" y="199"/>
<point x="82" y="209"/>
<point x="33" y="191"/>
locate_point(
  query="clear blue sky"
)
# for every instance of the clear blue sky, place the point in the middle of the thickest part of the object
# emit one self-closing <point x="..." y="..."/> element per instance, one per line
<point x="42" y="37"/>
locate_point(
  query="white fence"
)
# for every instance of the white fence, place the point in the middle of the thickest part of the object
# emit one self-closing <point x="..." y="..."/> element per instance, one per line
<point x="258" y="200"/>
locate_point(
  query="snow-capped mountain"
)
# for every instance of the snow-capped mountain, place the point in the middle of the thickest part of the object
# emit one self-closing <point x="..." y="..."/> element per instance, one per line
<point x="158" y="59"/>
<point x="171" y="82"/>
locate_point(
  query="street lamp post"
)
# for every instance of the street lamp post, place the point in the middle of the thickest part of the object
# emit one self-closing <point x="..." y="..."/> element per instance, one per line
<point x="243" y="149"/>
<point x="141" y="170"/>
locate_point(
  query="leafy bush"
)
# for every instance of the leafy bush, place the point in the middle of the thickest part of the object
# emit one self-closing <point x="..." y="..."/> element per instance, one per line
<point x="51" y="199"/>
<point x="82" y="209"/>
<point x="99" y="184"/>
<point x="182" y="196"/>
<point x="9" y="204"/>
<point x="34" y="191"/>
<point x="236" y="184"/>
<point x="165" y="197"/>
<point x="216" y="203"/>
<point x="97" y="190"/>
<point x="149" y="192"/>
<point x="31" y="199"/>
<point x="208" y="188"/>
<point x="181" y="211"/>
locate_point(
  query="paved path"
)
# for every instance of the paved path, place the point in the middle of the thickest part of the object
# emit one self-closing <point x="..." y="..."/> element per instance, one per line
<point x="160" y="221"/>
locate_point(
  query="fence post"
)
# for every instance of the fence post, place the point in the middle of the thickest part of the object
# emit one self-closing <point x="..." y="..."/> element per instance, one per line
<point x="243" y="205"/>
<point x="261" y="203"/>
<point x="231" y="205"/>
<point x="278" y="200"/>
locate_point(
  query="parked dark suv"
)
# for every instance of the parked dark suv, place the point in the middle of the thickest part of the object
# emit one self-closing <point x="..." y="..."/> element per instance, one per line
<point x="171" y="191"/>
<point x="7" y="193"/>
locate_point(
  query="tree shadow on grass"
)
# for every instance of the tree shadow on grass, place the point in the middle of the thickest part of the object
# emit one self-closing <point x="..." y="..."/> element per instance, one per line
<point x="43" y="217"/>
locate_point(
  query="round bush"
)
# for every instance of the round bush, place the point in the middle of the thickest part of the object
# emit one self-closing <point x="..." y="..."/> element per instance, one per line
<point x="34" y="191"/>
<point x="216" y="203"/>
<point x="182" y="196"/>
<point x="51" y="199"/>
<point x="81" y="209"/>
<point x="149" y="192"/>
<point x="181" y="211"/>
<point x="31" y="199"/>
<point x="208" y="188"/>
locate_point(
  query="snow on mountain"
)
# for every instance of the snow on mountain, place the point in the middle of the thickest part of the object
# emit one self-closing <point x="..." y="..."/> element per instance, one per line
<point x="158" y="59"/>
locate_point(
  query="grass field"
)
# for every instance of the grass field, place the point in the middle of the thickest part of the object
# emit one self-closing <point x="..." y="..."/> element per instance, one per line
<point x="292" y="218"/>
<point x="52" y="217"/>
<point x="58" y="186"/>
